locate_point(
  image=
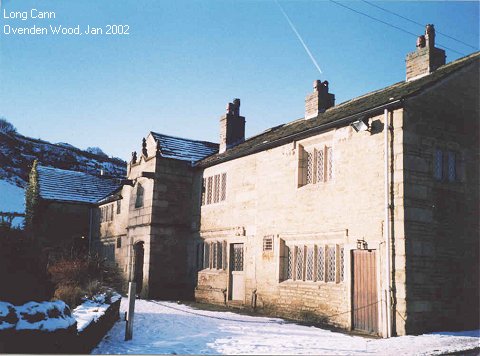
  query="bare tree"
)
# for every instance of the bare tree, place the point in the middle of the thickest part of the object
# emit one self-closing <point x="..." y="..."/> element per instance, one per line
<point x="6" y="127"/>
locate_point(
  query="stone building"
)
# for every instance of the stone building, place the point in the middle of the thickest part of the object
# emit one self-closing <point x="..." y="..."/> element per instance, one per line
<point x="67" y="205"/>
<point x="363" y="214"/>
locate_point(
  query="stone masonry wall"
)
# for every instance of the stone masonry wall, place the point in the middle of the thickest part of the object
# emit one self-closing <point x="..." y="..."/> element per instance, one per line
<point x="264" y="199"/>
<point x="441" y="217"/>
<point x="171" y="230"/>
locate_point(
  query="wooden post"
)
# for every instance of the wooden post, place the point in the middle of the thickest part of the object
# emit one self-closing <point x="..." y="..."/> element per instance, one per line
<point x="131" y="310"/>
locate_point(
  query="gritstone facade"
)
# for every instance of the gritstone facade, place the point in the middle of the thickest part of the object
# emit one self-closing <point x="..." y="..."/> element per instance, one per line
<point x="363" y="215"/>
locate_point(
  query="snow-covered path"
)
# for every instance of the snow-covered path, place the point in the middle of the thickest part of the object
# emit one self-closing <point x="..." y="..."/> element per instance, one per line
<point x="170" y="328"/>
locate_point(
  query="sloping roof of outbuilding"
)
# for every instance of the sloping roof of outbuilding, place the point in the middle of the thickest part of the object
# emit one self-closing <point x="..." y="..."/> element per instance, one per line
<point x="72" y="186"/>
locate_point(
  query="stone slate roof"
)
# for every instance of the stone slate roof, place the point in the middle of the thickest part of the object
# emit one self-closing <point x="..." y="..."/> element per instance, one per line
<point x="335" y="116"/>
<point x="71" y="186"/>
<point x="184" y="149"/>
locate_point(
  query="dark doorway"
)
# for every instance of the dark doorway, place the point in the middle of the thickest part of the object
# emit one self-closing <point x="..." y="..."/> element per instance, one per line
<point x="364" y="296"/>
<point x="138" y="253"/>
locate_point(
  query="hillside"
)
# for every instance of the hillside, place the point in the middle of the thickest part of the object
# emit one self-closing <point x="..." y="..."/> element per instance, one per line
<point x="17" y="153"/>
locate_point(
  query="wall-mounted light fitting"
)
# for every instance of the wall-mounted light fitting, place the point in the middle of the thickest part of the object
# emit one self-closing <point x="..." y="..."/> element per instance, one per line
<point x="361" y="125"/>
<point x="362" y="244"/>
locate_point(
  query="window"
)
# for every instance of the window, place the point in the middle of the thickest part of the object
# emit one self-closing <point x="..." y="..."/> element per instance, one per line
<point x="214" y="189"/>
<point x="299" y="263"/>
<point x="268" y="243"/>
<point x="445" y="166"/>
<point x="106" y="213"/>
<point x="289" y="262"/>
<point x="209" y="190"/>
<point x="206" y="255"/>
<point x="139" y="198"/>
<point x="119" y="242"/>
<point x="438" y="169"/>
<point x="119" y="206"/>
<point x="204" y="180"/>
<point x="320" y="276"/>
<point x="109" y="252"/>
<point x="318" y="263"/>
<point x="214" y="255"/>
<point x="309" y="263"/>
<point x="331" y="262"/>
<point x="452" y="172"/>
<point x="342" y="264"/>
<point x="223" y="193"/>
<point x="315" y="165"/>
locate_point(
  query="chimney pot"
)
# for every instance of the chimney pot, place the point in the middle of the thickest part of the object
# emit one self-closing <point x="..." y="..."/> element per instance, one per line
<point x="430" y="35"/>
<point x="421" y="41"/>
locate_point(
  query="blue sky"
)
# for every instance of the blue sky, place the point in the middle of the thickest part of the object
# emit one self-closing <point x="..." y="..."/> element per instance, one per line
<point x="183" y="61"/>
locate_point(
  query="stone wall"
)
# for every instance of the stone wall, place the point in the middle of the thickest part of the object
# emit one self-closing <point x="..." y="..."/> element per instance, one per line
<point x="441" y="217"/>
<point x="264" y="199"/>
<point x="171" y="230"/>
<point x="62" y="222"/>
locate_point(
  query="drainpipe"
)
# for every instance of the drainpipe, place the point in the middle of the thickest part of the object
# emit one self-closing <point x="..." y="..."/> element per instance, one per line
<point x="388" y="311"/>
<point x="90" y="231"/>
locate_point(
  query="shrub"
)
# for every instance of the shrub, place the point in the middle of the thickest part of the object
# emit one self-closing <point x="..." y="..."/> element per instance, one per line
<point x="70" y="294"/>
<point x="23" y="271"/>
<point x="93" y="288"/>
<point x="68" y="272"/>
<point x="84" y="276"/>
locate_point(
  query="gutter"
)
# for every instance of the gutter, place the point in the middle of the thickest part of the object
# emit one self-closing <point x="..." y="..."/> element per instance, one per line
<point x="307" y="133"/>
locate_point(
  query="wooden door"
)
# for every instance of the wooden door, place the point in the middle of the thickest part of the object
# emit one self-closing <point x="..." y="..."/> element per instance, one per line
<point x="364" y="296"/>
<point x="237" y="276"/>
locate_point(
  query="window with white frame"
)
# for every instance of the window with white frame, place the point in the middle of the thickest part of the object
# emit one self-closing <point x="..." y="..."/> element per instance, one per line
<point x="214" y="189"/>
<point x="212" y="255"/>
<point x="315" y="165"/>
<point x="314" y="263"/>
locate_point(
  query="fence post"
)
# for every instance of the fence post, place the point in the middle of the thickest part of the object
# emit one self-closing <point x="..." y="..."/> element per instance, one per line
<point x="131" y="311"/>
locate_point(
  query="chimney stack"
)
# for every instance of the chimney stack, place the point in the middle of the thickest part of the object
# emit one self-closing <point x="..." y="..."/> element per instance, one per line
<point x="319" y="101"/>
<point x="232" y="127"/>
<point x="426" y="58"/>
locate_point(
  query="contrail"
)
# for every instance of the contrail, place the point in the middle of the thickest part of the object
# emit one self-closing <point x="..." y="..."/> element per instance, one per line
<point x="299" y="37"/>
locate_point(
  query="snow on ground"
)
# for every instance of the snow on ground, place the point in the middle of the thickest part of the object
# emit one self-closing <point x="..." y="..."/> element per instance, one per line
<point x="12" y="198"/>
<point x="170" y="328"/>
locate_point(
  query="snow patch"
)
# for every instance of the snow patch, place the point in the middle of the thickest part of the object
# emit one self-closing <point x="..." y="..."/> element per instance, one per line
<point x="48" y="316"/>
<point x="92" y="309"/>
<point x="7" y="316"/>
<point x="12" y="199"/>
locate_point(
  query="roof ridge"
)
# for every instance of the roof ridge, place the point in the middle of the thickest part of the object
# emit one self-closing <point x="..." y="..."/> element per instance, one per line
<point x="183" y="138"/>
<point x="76" y="172"/>
<point x="347" y="108"/>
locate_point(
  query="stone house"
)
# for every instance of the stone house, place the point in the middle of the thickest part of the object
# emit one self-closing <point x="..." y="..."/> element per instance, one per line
<point x="363" y="214"/>
<point x="67" y="205"/>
